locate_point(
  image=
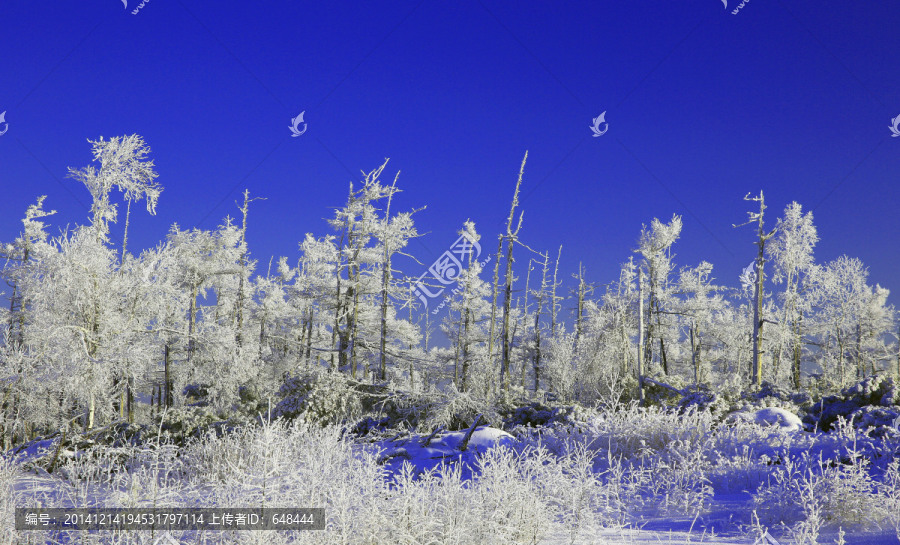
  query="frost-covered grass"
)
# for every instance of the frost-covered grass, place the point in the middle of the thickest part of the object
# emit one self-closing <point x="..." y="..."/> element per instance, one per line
<point x="599" y="481"/>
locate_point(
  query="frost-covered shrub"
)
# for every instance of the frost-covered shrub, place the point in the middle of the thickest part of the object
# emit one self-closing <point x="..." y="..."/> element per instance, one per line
<point x="196" y="394"/>
<point x="876" y="390"/>
<point x="768" y="417"/>
<point x="655" y="395"/>
<point x="812" y="493"/>
<point x="889" y="489"/>
<point x="877" y="421"/>
<point x="536" y="414"/>
<point x="179" y="423"/>
<point x="120" y="434"/>
<point x="457" y="410"/>
<point x="772" y="395"/>
<point x="641" y="430"/>
<point x="559" y="373"/>
<point x="702" y="398"/>
<point x="8" y="474"/>
<point x="680" y="475"/>
<point x="369" y="425"/>
<point x="322" y="397"/>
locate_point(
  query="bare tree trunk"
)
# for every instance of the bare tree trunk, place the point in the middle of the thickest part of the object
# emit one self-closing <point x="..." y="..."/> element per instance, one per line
<point x="553" y="294"/>
<point x="125" y="238"/>
<point x="537" y="325"/>
<point x="352" y="326"/>
<point x="239" y="303"/>
<point x="89" y="424"/>
<point x="694" y="362"/>
<point x="507" y="301"/>
<point x="338" y="309"/>
<point x="456" y="366"/>
<point x="840" y="345"/>
<point x="465" y="350"/>
<point x="640" y="354"/>
<point x="309" y="328"/>
<point x="465" y="319"/>
<point x="756" y="363"/>
<point x="496" y="288"/>
<point x="579" y="313"/>
<point x="385" y="283"/>
<point x="168" y="379"/>
<point x="860" y="365"/>
<point x="192" y="315"/>
<point x="129" y="400"/>
<point x="663" y="360"/>
<point x="93" y="345"/>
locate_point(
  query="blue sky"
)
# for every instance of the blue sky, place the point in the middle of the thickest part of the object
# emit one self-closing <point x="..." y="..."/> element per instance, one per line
<point x="703" y="106"/>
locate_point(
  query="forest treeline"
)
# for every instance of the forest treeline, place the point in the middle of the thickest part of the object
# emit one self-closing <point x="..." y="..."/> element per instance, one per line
<point x="91" y="328"/>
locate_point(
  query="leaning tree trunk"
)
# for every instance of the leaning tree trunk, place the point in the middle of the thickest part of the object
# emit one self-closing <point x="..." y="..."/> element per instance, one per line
<point x="507" y="301"/>
<point x="640" y="354"/>
<point x="385" y="284"/>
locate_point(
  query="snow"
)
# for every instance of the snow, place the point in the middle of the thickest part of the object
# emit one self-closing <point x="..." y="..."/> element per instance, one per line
<point x="771" y="416"/>
<point x="443" y="449"/>
<point x="444" y="481"/>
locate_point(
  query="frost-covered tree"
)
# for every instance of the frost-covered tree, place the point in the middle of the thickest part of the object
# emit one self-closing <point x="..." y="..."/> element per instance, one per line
<point x="364" y="284"/>
<point x="791" y="253"/>
<point x="123" y="164"/>
<point x="393" y="235"/>
<point x="356" y="280"/>
<point x="18" y="364"/>
<point x="605" y="354"/>
<point x="20" y="258"/>
<point x="469" y="319"/>
<point x="655" y="247"/>
<point x="700" y="302"/>
<point x="76" y="308"/>
<point x="852" y="320"/>
<point x="316" y="299"/>
<point x="277" y="320"/>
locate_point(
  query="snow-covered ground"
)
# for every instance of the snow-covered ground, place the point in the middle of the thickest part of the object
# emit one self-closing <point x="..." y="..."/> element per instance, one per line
<point x="627" y="477"/>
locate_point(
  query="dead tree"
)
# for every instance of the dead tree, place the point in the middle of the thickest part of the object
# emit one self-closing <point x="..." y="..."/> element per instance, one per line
<point x="239" y="303"/>
<point x="640" y="354"/>
<point x="553" y="298"/>
<point x="537" y="325"/>
<point x="762" y="237"/>
<point x="510" y="237"/>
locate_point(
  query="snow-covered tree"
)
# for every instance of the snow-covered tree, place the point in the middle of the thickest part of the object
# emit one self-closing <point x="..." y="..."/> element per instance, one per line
<point x="655" y="247"/>
<point x="852" y="320"/>
<point x="700" y="302"/>
<point x="791" y="252"/>
<point x="469" y="319"/>
<point x="123" y="164"/>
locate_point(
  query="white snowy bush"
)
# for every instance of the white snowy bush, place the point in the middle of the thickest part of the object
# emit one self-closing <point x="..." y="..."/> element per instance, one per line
<point x="320" y="396"/>
<point x="8" y="474"/>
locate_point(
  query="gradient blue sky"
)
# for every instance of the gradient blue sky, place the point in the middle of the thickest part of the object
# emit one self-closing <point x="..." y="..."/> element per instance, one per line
<point x="793" y="98"/>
